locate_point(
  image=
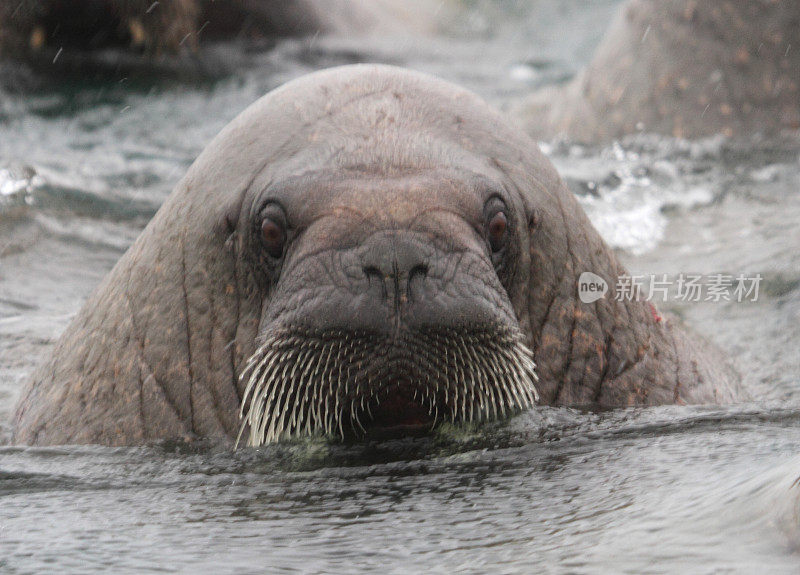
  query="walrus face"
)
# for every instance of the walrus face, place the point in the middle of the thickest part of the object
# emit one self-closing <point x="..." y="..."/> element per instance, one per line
<point x="385" y="306"/>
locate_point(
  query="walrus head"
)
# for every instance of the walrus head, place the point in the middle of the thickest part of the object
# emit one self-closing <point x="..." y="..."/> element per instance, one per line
<point x="363" y="249"/>
<point x="384" y="298"/>
<point x="384" y="260"/>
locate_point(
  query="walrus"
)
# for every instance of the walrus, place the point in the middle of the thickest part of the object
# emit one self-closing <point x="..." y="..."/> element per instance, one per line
<point x="363" y="250"/>
<point x="684" y="68"/>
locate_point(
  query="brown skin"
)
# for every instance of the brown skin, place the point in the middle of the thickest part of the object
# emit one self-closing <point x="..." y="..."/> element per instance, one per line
<point x="685" y="68"/>
<point x="367" y="163"/>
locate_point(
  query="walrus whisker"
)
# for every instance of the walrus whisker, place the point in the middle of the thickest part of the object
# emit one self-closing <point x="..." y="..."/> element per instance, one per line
<point x="251" y="385"/>
<point x="254" y="365"/>
<point x="299" y="379"/>
<point x="272" y="361"/>
<point x="253" y="361"/>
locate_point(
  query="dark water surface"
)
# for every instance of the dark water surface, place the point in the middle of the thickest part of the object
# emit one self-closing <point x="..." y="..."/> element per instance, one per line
<point x="84" y="166"/>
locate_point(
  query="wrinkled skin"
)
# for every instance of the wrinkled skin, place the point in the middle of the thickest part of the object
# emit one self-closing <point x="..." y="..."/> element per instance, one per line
<point x="379" y="172"/>
<point x="684" y="68"/>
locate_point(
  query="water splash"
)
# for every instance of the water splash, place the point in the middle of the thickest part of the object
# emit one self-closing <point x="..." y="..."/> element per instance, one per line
<point x="16" y="187"/>
<point x="629" y="188"/>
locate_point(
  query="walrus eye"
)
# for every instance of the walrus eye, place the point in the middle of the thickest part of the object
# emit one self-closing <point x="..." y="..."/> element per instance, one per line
<point x="496" y="230"/>
<point x="273" y="235"/>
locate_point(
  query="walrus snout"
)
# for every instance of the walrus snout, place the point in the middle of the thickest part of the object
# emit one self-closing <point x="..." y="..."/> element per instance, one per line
<point x="395" y="266"/>
<point x="392" y="279"/>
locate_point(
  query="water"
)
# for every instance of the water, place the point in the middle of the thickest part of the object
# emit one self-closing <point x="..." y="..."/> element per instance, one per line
<point x="85" y="164"/>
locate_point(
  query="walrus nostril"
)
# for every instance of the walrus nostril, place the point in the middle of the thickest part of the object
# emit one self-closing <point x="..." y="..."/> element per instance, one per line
<point x="418" y="270"/>
<point x="372" y="272"/>
<point x="398" y="263"/>
<point x="401" y="282"/>
<point x="417" y="273"/>
<point x="376" y="280"/>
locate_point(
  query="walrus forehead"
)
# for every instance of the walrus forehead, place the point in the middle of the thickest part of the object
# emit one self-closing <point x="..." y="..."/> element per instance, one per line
<point x="384" y="197"/>
<point x="339" y="211"/>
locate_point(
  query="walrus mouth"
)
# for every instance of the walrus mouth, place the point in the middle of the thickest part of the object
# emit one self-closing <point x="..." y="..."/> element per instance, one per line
<point x="304" y="381"/>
